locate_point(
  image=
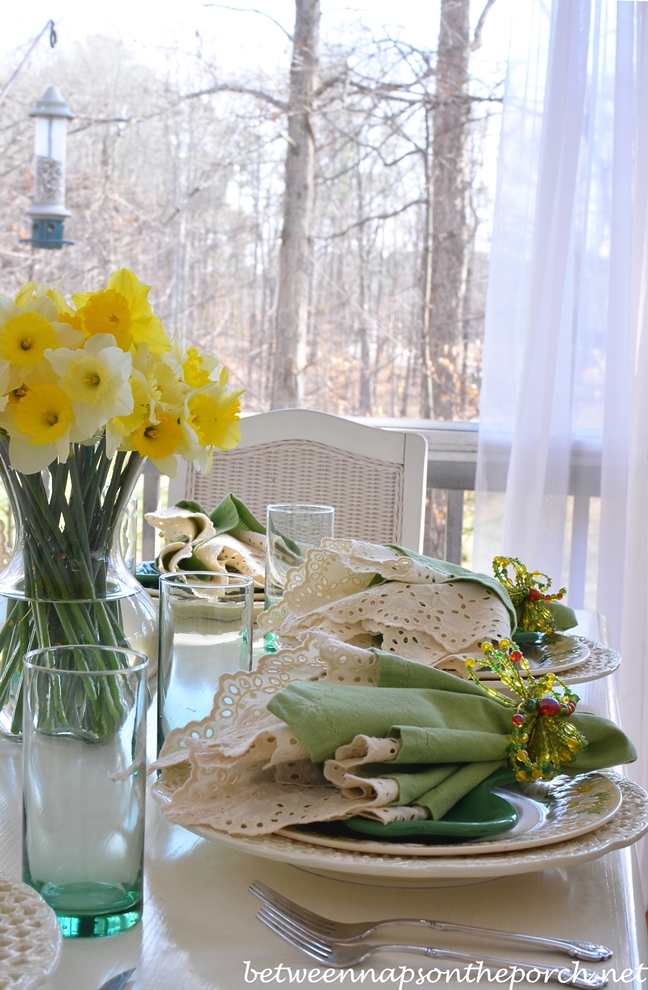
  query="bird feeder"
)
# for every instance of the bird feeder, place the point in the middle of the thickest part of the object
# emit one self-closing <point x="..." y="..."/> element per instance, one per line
<point x="48" y="213"/>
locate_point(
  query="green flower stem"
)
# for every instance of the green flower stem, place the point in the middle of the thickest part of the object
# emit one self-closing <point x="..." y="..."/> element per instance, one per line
<point x="74" y="511"/>
<point x="118" y="495"/>
<point x="101" y="521"/>
<point x="43" y="542"/>
<point x="16" y="640"/>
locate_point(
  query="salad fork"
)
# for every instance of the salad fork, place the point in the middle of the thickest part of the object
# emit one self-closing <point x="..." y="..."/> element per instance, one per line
<point x="353" y="933"/>
<point x="344" y="956"/>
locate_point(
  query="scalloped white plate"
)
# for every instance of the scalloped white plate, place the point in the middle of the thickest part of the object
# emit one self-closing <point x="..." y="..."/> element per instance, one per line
<point x="601" y="661"/>
<point x="548" y="813"/>
<point x="563" y="653"/>
<point x="625" y="827"/>
<point x="30" y="937"/>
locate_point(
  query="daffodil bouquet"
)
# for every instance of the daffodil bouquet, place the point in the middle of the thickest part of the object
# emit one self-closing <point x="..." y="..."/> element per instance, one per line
<point x="88" y="390"/>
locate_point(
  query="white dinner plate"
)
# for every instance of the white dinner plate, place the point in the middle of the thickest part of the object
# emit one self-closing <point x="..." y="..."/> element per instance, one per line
<point x="561" y="653"/>
<point x="547" y="813"/>
<point x="625" y="827"/>
<point x="30" y="937"/>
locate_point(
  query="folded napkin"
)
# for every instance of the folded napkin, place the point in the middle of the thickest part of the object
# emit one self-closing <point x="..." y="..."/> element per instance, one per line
<point x="564" y="617"/>
<point x="416" y="607"/>
<point x="436" y="719"/>
<point x="230" y="538"/>
<point x="374" y="734"/>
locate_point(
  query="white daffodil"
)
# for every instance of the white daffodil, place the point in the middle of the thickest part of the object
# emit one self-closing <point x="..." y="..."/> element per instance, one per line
<point x="95" y="379"/>
<point x="164" y="380"/>
<point x="26" y="332"/>
<point x="122" y="426"/>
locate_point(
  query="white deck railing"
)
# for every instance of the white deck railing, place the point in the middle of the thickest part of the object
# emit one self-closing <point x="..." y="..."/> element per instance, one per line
<point x="452" y="463"/>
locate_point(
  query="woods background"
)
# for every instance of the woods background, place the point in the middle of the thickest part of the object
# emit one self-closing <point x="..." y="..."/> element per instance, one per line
<point x="372" y="158"/>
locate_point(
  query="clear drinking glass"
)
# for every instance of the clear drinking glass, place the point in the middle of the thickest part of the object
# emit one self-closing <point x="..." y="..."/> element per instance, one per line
<point x="84" y="775"/>
<point x="205" y="631"/>
<point x="291" y="530"/>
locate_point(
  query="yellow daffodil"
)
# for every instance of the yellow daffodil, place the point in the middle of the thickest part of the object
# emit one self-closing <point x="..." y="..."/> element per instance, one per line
<point x="158" y="441"/>
<point x="95" y="378"/>
<point x="123" y="310"/>
<point x="66" y="314"/>
<point x="42" y="421"/>
<point x="213" y="413"/>
<point x="25" y="338"/>
<point x="44" y="414"/>
<point x="104" y="363"/>
<point x="198" y="368"/>
<point x="26" y="332"/>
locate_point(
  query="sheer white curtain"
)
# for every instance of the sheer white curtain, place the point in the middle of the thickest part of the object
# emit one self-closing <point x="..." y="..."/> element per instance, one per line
<point x="565" y="371"/>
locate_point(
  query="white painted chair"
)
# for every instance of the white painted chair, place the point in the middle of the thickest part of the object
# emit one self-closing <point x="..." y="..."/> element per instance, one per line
<point x="374" y="478"/>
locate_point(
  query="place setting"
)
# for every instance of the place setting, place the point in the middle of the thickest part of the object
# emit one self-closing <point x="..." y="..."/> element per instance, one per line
<point x="300" y="760"/>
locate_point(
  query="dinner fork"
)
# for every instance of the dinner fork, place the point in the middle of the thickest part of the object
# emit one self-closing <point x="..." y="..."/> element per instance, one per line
<point x="343" y="956"/>
<point x="352" y="933"/>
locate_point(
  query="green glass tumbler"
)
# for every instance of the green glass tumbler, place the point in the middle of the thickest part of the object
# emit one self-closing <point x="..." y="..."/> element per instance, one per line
<point x="84" y="776"/>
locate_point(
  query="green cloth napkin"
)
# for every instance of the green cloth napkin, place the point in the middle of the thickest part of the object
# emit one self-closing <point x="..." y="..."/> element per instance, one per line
<point x="148" y="574"/>
<point x="437" y="788"/>
<point x="563" y="615"/>
<point x="228" y="515"/>
<point x="454" y="573"/>
<point x="440" y="799"/>
<point x="439" y="718"/>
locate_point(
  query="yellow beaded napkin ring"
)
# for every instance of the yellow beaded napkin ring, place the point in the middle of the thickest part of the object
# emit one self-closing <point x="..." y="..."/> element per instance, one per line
<point x="542" y="738"/>
<point x="529" y="591"/>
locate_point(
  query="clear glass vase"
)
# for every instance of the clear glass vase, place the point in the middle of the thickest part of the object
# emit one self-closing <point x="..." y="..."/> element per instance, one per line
<point x="66" y="582"/>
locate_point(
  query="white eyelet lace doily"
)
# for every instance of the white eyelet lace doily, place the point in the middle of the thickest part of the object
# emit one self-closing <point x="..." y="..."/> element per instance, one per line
<point x="417" y="613"/>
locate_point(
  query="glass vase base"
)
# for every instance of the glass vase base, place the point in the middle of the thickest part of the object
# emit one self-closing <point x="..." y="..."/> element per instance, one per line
<point x="92" y="909"/>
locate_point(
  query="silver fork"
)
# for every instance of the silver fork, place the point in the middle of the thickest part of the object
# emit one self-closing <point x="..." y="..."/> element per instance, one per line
<point x="352" y="933"/>
<point x="344" y="956"/>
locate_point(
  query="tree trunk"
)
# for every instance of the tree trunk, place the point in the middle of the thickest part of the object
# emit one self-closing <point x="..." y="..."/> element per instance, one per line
<point x="295" y="253"/>
<point x="449" y="234"/>
<point x="365" y="403"/>
<point x="427" y="388"/>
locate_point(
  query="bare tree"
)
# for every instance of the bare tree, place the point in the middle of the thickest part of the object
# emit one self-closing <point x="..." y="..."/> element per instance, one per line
<point x="450" y="120"/>
<point x="295" y="263"/>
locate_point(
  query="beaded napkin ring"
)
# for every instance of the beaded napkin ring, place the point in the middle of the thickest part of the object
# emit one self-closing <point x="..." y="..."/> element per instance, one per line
<point x="529" y="592"/>
<point x="541" y="738"/>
